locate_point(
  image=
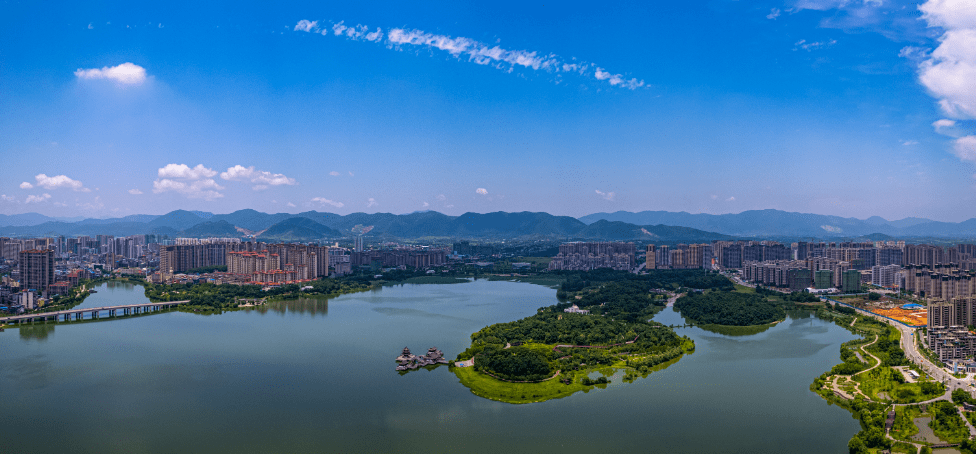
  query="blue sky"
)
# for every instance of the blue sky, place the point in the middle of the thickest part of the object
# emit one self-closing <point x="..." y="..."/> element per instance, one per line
<point x="850" y="108"/>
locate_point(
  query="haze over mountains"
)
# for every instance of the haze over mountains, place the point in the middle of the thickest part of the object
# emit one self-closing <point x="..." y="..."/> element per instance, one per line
<point x="621" y="225"/>
<point x="763" y="223"/>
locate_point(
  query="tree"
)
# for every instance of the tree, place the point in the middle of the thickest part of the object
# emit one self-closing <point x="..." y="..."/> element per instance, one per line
<point x="874" y="296"/>
<point x="960" y="396"/>
<point x="856" y="446"/>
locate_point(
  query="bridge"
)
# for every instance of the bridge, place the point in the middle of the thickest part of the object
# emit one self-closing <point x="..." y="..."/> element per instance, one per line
<point x="92" y="312"/>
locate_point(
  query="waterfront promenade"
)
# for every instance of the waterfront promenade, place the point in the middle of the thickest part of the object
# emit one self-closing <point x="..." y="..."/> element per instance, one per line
<point x="92" y="312"/>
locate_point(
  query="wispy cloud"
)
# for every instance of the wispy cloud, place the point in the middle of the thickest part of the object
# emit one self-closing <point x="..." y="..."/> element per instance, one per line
<point x="481" y="191"/>
<point x="7" y="198"/>
<point x="804" y="45"/>
<point x="193" y="182"/>
<point x="126" y="73"/>
<point x="37" y="198"/>
<point x="334" y="173"/>
<point x="371" y="203"/>
<point x="262" y="179"/>
<point x="471" y="50"/>
<point x="773" y="14"/>
<point x="56" y="182"/>
<point x="135" y="192"/>
<point x="322" y="201"/>
<point x="606" y="195"/>
<point x="965" y="148"/>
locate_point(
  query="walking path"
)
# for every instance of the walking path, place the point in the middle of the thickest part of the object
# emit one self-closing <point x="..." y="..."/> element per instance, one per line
<point x="878" y="360"/>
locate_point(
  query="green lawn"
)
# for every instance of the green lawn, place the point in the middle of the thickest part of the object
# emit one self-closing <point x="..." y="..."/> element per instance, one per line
<point x="904" y="427"/>
<point x="519" y="393"/>
<point x="533" y="260"/>
<point x="743" y="289"/>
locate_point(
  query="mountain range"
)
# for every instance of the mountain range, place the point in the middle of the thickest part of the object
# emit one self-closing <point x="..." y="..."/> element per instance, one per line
<point x="312" y="225"/>
<point x="766" y="223"/>
<point x="621" y="225"/>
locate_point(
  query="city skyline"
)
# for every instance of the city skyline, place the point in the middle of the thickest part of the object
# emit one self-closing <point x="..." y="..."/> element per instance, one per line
<point x="842" y="108"/>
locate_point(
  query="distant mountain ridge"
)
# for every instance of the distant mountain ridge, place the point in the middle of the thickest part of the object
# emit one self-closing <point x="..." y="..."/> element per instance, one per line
<point x="313" y="226"/>
<point x="765" y="223"/>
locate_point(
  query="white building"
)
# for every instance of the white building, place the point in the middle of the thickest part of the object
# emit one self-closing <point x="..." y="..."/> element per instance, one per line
<point x="885" y="276"/>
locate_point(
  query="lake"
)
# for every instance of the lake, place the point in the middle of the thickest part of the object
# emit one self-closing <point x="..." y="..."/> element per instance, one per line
<point x="318" y="375"/>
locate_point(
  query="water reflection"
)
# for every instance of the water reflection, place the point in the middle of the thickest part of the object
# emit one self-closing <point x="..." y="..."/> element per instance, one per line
<point x="38" y="332"/>
<point x="309" y="306"/>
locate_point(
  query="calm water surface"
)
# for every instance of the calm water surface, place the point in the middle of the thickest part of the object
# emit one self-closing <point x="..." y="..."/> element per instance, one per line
<point x="318" y="376"/>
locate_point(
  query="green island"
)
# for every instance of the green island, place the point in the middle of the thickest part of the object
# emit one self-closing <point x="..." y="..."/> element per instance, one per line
<point x="742" y="312"/>
<point x="555" y="353"/>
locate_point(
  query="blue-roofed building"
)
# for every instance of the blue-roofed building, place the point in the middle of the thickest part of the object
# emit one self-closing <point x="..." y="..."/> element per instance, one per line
<point x="912" y="306"/>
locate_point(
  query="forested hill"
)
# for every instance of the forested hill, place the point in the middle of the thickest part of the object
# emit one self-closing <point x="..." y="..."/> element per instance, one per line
<point x="729" y="308"/>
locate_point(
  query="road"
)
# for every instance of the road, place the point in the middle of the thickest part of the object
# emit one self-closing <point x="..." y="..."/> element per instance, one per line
<point x="910" y="347"/>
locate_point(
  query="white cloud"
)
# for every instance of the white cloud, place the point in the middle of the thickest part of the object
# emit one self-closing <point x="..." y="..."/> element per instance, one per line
<point x="324" y="201"/>
<point x="804" y="45"/>
<point x="135" y="192"/>
<point x="606" y="195"/>
<point x="262" y="179"/>
<point x="481" y="191"/>
<point x="426" y="204"/>
<point x="334" y="173"/>
<point x="185" y="172"/>
<point x="371" y="203"/>
<point x="965" y="148"/>
<point x="351" y="174"/>
<point x="730" y="199"/>
<point x="7" y="198"/>
<point x="942" y="125"/>
<point x="292" y="205"/>
<point x="949" y="71"/>
<point x="909" y="143"/>
<point x="195" y="183"/>
<point x="90" y="26"/>
<point x="26" y="185"/>
<point x="59" y="181"/>
<point x="773" y="14"/>
<point x="37" y="198"/>
<point x="306" y="25"/>
<point x="441" y="197"/>
<point x="126" y="73"/>
<point x="470" y="50"/>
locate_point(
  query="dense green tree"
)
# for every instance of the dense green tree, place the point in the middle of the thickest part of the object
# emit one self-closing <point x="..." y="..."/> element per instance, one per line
<point x="728" y="308"/>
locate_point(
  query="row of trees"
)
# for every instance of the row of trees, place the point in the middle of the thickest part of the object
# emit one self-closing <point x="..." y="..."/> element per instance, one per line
<point x="213" y="297"/>
<point x="516" y="363"/>
<point x="664" y="279"/>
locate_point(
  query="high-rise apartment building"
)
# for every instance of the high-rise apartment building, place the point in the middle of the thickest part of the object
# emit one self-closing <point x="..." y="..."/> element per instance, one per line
<point x="36" y="269"/>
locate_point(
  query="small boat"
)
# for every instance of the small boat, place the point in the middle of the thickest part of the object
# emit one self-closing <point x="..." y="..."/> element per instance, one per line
<point x="93" y="291"/>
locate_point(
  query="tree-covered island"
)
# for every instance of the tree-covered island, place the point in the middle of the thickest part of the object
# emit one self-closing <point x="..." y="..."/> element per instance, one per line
<point x="739" y="312"/>
<point x="553" y="353"/>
